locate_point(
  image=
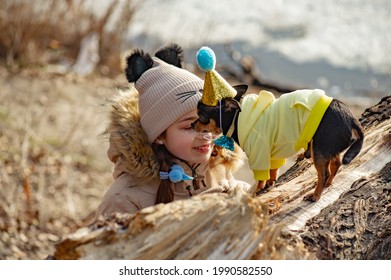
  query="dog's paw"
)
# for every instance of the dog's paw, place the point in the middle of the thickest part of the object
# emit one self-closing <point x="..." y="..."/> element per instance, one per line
<point x="311" y="198"/>
<point x="328" y="185"/>
<point x="270" y="183"/>
<point x="260" y="192"/>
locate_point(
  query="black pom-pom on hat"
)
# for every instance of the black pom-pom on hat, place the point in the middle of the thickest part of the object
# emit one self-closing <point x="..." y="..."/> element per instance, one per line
<point x="136" y="64"/>
<point x="171" y="54"/>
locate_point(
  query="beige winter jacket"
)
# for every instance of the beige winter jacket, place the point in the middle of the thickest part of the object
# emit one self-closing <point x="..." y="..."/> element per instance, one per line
<point x="136" y="171"/>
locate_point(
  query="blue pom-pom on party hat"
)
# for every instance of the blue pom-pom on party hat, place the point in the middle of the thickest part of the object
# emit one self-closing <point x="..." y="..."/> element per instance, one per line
<point x="206" y="59"/>
<point x="215" y="87"/>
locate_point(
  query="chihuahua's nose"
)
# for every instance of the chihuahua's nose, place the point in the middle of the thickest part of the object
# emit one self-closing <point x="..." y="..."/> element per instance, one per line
<point x="206" y="136"/>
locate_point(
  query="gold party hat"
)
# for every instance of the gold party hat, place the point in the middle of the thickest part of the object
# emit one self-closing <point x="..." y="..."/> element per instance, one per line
<point x="216" y="88"/>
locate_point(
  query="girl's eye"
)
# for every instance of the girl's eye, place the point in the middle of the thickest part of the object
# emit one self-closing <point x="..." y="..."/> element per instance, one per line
<point x="186" y="125"/>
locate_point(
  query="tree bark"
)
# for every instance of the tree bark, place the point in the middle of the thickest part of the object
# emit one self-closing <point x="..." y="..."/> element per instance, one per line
<point x="210" y="226"/>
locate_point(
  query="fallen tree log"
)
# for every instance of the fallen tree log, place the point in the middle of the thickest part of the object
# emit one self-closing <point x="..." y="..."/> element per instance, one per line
<point x="350" y="221"/>
<point x="359" y="225"/>
<point x="211" y="226"/>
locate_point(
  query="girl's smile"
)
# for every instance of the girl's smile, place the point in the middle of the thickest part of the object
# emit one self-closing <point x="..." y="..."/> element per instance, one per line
<point x="204" y="148"/>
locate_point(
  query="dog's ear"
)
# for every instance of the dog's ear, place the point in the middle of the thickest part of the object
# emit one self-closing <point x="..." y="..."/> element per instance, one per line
<point x="231" y="104"/>
<point x="172" y="54"/>
<point x="136" y="64"/>
<point x="240" y="91"/>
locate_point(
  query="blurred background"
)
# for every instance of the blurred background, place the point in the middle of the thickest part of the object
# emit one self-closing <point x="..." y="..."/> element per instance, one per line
<point x="340" y="46"/>
<point x="61" y="60"/>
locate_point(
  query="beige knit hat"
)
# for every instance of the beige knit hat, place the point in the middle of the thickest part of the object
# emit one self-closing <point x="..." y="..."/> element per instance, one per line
<point x="166" y="92"/>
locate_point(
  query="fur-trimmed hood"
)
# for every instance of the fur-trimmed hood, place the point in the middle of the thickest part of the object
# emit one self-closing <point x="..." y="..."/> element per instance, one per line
<point x="129" y="147"/>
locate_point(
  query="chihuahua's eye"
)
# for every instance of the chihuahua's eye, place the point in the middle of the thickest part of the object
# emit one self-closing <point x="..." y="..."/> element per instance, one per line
<point x="193" y="124"/>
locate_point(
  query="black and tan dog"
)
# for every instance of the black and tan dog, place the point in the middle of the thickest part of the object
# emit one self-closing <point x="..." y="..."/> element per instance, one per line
<point x="338" y="130"/>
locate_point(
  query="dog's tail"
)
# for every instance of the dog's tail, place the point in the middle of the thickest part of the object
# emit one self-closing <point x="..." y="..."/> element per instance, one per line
<point x="356" y="146"/>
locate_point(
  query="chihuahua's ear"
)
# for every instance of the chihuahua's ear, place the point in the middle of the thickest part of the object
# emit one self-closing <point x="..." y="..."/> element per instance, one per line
<point x="136" y="64"/>
<point x="240" y="91"/>
<point x="231" y="104"/>
<point x="171" y="54"/>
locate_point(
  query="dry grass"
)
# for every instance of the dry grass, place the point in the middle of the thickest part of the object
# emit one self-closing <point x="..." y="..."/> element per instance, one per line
<point x="49" y="31"/>
<point x="53" y="165"/>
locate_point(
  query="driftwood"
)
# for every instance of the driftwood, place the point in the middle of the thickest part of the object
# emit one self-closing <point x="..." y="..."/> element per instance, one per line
<point x="352" y="220"/>
<point x="359" y="225"/>
<point x="211" y="226"/>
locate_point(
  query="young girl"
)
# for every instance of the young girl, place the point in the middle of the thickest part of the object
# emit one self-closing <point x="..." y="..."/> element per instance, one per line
<point x="158" y="157"/>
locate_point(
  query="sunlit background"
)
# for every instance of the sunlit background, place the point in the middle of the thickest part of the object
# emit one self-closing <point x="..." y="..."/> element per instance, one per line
<point x="340" y="46"/>
<point x="61" y="60"/>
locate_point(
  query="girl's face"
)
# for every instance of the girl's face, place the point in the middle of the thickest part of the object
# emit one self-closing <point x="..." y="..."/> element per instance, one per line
<point x="185" y="143"/>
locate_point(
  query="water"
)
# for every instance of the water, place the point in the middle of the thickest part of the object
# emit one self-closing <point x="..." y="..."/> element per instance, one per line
<point x="341" y="46"/>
